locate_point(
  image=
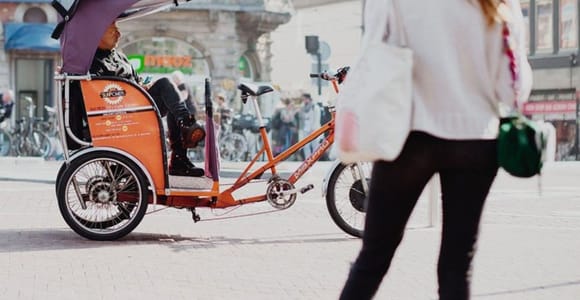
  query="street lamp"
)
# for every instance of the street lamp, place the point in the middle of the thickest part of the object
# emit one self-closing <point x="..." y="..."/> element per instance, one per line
<point x="313" y="48"/>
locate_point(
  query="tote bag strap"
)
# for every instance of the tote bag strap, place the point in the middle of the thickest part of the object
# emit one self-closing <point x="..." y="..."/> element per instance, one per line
<point x="398" y="23"/>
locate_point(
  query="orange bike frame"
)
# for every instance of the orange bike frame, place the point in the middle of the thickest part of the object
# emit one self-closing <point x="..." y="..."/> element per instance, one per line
<point x="226" y="199"/>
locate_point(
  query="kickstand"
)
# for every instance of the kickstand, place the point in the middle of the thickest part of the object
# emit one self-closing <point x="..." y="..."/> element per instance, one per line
<point x="194" y="215"/>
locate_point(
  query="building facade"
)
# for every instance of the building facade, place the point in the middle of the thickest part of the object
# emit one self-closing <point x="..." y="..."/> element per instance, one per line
<point x="225" y="40"/>
<point x="263" y="41"/>
<point x="553" y="48"/>
<point x="28" y="56"/>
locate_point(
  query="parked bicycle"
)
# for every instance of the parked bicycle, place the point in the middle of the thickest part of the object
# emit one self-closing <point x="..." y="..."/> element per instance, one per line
<point x="232" y="143"/>
<point x="25" y="139"/>
<point x="5" y="143"/>
<point x="345" y="186"/>
<point x="5" y="138"/>
<point x="48" y="126"/>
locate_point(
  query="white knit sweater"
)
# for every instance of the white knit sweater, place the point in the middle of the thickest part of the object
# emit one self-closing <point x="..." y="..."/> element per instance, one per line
<point x="461" y="71"/>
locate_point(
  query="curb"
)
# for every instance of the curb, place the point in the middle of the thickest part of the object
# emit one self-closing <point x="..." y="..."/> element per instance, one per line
<point x="16" y="160"/>
<point x="36" y="169"/>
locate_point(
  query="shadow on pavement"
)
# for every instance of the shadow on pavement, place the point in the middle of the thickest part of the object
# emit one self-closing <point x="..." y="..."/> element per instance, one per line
<point x="45" y="181"/>
<point x="24" y="240"/>
<point x="216" y="241"/>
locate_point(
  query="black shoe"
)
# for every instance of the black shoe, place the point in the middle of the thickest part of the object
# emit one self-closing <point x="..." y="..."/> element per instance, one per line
<point x="181" y="166"/>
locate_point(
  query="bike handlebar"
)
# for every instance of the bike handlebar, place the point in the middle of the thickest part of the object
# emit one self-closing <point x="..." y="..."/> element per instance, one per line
<point x="339" y="76"/>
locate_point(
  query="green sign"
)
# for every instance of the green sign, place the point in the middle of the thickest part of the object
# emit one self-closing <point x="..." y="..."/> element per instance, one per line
<point x="161" y="64"/>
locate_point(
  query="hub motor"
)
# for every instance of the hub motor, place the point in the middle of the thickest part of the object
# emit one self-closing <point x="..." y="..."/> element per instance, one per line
<point x="100" y="190"/>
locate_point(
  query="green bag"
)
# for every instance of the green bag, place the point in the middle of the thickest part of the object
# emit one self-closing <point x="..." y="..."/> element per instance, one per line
<point x="521" y="146"/>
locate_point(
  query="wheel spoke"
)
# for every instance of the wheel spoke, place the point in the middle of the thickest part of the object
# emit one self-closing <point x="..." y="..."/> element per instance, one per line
<point x="114" y="198"/>
<point x="346" y="197"/>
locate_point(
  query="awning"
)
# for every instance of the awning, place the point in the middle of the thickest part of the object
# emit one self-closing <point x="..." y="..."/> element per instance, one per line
<point x="549" y="107"/>
<point x="30" y="36"/>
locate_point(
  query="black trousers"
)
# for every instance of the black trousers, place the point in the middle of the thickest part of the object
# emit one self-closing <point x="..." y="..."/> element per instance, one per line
<point x="467" y="169"/>
<point x="169" y="104"/>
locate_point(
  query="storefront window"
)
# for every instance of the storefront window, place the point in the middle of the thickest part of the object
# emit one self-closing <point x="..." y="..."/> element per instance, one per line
<point x="525" y="4"/>
<point x="544" y="28"/>
<point x="568" y="24"/>
<point x="34" y="15"/>
<point x="160" y="56"/>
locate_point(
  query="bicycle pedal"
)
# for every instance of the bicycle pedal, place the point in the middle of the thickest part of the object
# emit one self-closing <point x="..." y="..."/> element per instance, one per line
<point x="306" y="188"/>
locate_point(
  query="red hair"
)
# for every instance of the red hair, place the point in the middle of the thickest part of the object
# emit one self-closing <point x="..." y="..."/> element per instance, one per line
<point x="490" y="10"/>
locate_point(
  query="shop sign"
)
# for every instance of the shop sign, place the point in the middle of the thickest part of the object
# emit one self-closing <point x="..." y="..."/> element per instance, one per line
<point x="549" y="107"/>
<point x="161" y="64"/>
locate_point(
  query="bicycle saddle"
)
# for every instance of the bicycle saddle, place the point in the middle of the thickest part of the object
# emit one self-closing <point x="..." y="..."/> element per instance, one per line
<point x="253" y="90"/>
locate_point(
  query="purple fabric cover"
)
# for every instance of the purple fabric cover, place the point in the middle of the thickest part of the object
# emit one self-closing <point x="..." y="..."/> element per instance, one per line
<point x="82" y="33"/>
<point x="212" y="158"/>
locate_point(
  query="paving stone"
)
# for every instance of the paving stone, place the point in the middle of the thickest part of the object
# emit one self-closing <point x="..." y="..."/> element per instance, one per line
<point x="528" y="248"/>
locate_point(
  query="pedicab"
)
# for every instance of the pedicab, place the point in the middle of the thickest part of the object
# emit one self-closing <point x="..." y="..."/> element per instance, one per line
<point x="116" y="159"/>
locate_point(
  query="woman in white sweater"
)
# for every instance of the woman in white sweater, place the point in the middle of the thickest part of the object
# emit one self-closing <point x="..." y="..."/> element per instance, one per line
<point x="462" y="77"/>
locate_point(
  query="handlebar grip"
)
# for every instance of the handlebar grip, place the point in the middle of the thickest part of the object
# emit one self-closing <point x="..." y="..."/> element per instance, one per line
<point x="313" y="75"/>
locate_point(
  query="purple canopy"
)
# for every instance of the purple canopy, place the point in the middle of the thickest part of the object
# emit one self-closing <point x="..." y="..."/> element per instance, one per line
<point x="83" y="31"/>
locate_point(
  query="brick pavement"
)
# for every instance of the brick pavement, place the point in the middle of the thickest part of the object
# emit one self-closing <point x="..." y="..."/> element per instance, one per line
<point x="528" y="249"/>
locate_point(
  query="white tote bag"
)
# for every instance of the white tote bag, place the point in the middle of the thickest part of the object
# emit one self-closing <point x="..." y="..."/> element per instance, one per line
<point x="373" y="116"/>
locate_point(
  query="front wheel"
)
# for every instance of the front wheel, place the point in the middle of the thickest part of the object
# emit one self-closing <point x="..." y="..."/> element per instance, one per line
<point x="102" y="195"/>
<point x="346" y="196"/>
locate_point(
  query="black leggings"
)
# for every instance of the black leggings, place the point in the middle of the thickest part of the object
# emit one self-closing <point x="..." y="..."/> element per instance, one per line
<point x="169" y="103"/>
<point x="467" y="169"/>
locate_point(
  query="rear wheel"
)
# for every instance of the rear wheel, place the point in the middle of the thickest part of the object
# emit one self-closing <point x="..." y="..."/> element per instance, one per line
<point x="233" y="147"/>
<point x="102" y="195"/>
<point x="35" y="144"/>
<point x="41" y="144"/>
<point x="346" y="196"/>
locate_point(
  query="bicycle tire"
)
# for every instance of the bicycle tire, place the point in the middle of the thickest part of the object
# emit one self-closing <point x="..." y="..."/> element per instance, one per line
<point x="233" y="147"/>
<point x="114" y="205"/>
<point x="36" y="143"/>
<point x="345" y="198"/>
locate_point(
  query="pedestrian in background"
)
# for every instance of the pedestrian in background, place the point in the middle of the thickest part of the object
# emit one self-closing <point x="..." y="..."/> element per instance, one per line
<point x="454" y="127"/>
<point x="309" y="117"/>
<point x="6" y="104"/>
<point x="222" y="108"/>
<point x="288" y="134"/>
<point x="184" y="92"/>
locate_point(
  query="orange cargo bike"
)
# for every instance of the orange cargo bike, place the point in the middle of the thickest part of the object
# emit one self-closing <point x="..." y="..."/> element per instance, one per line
<point x="116" y="162"/>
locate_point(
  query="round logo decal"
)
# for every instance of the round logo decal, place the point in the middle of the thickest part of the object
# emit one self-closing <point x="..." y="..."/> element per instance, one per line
<point x="113" y="94"/>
